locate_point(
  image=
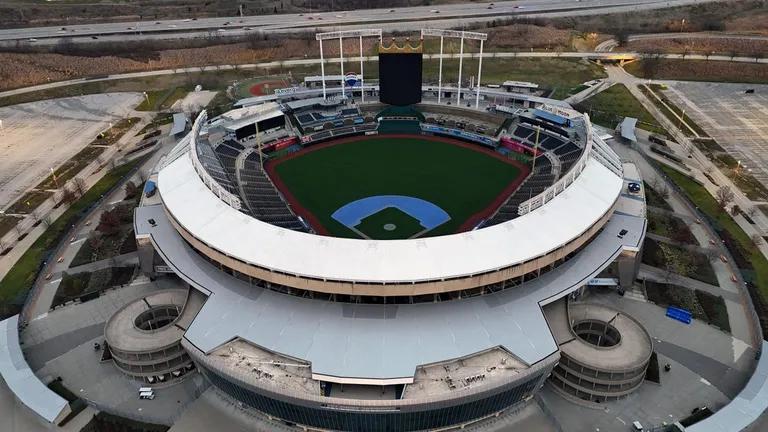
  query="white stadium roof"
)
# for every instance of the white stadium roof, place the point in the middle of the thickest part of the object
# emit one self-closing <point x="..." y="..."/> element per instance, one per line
<point x="220" y="226"/>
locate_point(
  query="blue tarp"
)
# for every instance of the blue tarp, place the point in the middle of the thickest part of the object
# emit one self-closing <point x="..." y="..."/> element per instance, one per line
<point x="149" y="187"/>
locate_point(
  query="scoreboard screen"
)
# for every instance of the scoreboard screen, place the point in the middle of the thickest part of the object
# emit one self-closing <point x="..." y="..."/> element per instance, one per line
<point x="400" y="78"/>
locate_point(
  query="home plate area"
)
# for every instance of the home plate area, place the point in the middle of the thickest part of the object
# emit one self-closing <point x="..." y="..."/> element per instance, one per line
<point x="389" y="217"/>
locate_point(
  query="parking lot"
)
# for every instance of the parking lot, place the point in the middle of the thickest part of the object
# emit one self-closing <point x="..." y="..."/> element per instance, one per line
<point x="736" y="120"/>
<point x="38" y="136"/>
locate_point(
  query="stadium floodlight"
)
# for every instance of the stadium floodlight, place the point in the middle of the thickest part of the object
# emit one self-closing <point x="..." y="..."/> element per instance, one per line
<point x="457" y="34"/>
<point x="340" y="35"/>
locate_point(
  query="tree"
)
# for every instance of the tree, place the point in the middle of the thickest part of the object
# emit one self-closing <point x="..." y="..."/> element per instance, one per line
<point x="67" y="196"/>
<point x="735" y="210"/>
<point x="622" y="37"/>
<point x="109" y="223"/>
<point x="79" y="185"/>
<point x="724" y="196"/>
<point x="130" y="190"/>
<point x="757" y="239"/>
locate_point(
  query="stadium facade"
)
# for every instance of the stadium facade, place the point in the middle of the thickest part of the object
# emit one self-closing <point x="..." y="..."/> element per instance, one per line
<point x="423" y="333"/>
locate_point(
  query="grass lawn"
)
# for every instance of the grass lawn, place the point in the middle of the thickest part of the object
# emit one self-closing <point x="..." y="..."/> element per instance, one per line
<point x="157" y="100"/>
<point x="671" y="227"/>
<point x="742" y="244"/>
<point x="559" y="74"/>
<point x="654" y="199"/>
<point x="7" y="223"/>
<point x="562" y="75"/>
<point x="670" y="110"/>
<point x="88" y="285"/>
<point x="701" y="268"/>
<point x="610" y="106"/>
<point x="21" y="276"/>
<point x="703" y="305"/>
<point x="210" y="80"/>
<point x="462" y="181"/>
<point x="28" y="202"/>
<point x="702" y="70"/>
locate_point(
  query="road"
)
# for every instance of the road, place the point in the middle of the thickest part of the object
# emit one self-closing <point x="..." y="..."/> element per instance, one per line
<point x="611" y="44"/>
<point x="311" y="61"/>
<point x="408" y="18"/>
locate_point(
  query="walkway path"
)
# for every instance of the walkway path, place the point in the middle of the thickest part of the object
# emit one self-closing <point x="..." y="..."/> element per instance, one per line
<point x="656" y="274"/>
<point x="699" y="162"/>
<point x="737" y="311"/>
<point x="610" y="44"/>
<point x="45" y="291"/>
<point x="314" y="61"/>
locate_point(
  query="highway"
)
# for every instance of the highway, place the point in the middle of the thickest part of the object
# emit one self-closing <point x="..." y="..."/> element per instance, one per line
<point x="401" y="19"/>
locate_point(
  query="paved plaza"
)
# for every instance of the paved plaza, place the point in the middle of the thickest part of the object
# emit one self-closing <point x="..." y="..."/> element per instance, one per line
<point x="736" y="120"/>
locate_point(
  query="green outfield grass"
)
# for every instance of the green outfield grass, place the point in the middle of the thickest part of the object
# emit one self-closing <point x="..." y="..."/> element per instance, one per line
<point x="462" y="181"/>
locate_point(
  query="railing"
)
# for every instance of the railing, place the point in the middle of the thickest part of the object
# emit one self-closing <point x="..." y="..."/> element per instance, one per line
<point x="603" y="154"/>
<point x="214" y="186"/>
<point x="590" y="150"/>
<point x="560" y="185"/>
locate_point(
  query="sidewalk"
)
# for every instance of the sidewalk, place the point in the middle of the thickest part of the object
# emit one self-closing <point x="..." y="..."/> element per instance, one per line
<point x="45" y="293"/>
<point x="738" y="317"/>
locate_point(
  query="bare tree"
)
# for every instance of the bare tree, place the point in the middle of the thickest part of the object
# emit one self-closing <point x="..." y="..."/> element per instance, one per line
<point x="47" y="221"/>
<point x="622" y="37"/>
<point x="67" y="196"/>
<point x="79" y="185"/>
<point x="130" y="190"/>
<point x="724" y="196"/>
<point x="751" y="212"/>
<point x="757" y="239"/>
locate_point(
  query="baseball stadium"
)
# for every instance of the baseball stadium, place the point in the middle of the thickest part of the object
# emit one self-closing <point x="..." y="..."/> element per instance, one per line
<point x="389" y="255"/>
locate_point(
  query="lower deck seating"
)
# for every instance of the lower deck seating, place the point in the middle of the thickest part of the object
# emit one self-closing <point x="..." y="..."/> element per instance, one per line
<point x="262" y="198"/>
<point x="535" y="184"/>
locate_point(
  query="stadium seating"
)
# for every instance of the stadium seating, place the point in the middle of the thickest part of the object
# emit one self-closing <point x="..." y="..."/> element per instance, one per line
<point x="535" y="184"/>
<point x="262" y="198"/>
<point x="215" y="167"/>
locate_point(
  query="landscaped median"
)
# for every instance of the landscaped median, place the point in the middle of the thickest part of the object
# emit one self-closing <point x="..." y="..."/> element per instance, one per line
<point x="749" y="259"/>
<point x="21" y="277"/>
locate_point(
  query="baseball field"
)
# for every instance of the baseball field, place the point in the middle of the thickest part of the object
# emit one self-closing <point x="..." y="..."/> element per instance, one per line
<point x="395" y="186"/>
